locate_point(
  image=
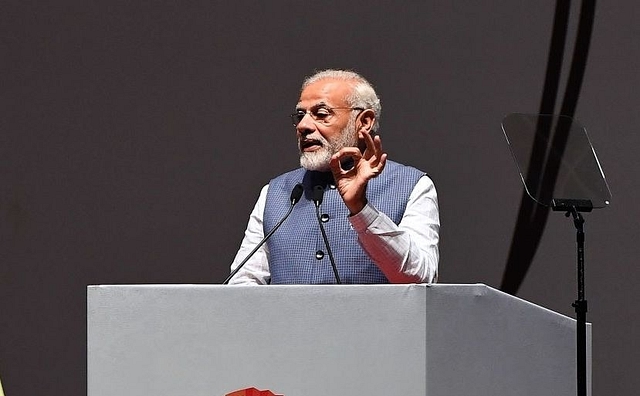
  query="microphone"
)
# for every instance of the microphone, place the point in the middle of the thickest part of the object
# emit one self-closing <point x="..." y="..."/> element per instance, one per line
<point x="318" y="194"/>
<point x="296" y="194"/>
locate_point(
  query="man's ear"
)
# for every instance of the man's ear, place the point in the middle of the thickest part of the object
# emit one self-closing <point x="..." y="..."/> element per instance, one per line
<point x="366" y="120"/>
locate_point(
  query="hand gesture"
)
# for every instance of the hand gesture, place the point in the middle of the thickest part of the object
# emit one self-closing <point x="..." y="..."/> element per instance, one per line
<point x="352" y="183"/>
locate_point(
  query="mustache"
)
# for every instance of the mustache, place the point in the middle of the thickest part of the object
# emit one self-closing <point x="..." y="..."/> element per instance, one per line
<point x="311" y="141"/>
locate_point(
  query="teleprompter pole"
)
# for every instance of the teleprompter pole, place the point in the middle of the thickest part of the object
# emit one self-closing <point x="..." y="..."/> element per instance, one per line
<point x="580" y="306"/>
<point x="573" y="208"/>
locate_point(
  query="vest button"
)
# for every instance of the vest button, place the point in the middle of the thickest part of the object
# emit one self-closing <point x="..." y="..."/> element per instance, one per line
<point x="324" y="218"/>
<point x="319" y="254"/>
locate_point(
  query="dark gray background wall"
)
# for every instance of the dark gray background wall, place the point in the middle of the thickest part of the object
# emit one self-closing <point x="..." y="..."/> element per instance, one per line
<point x="135" y="136"/>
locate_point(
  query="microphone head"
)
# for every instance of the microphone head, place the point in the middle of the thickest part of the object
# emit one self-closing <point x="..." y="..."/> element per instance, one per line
<point x="296" y="193"/>
<point x="318" y="194"/>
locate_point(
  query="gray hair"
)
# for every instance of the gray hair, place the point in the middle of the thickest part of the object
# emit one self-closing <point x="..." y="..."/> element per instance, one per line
<point x="363" y="95"/>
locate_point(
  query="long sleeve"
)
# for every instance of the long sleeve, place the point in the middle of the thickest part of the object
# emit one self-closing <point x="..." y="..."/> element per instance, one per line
<point x="407" y="252"/>
<point x="256" y="270"/>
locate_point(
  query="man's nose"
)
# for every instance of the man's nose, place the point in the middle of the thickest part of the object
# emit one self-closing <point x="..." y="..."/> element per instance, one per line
<point x="306" y="125"/>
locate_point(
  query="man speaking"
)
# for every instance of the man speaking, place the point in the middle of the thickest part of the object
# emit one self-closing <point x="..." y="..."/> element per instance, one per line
<point x="348" y="215"/>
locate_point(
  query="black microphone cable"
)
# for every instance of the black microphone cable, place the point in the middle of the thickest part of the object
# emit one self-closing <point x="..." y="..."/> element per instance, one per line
<point x="318" y="194"/>
<point x="296" y="194"/>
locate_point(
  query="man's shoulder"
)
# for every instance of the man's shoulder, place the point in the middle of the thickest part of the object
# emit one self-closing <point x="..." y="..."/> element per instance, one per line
<point x="396" y="171"/>
<point x="398" y="167"/>
<point x="286" y="181"/>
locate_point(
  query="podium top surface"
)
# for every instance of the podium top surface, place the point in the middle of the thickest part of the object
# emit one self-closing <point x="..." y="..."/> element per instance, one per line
<point x="432" y="290"/>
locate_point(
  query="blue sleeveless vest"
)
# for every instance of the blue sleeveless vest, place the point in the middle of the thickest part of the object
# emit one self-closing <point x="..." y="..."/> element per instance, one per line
<point x="297" y="254"/>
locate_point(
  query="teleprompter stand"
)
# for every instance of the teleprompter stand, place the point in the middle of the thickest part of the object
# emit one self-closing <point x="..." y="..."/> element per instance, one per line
<point x="559" y="169"/>
<point x="574" y="208"/>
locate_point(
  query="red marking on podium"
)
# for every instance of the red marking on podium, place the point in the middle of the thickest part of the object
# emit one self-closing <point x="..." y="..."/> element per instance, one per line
<point x="252" y="392"/>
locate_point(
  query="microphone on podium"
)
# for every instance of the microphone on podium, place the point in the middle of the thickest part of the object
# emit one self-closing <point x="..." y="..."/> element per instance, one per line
<point x="296" y="194"/>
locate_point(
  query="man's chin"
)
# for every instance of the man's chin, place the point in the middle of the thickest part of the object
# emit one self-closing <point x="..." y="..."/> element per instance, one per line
<point x="315" y="162"/>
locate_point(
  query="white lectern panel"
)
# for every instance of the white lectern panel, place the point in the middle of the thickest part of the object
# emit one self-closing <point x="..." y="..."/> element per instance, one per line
<point x="325" y="340"/>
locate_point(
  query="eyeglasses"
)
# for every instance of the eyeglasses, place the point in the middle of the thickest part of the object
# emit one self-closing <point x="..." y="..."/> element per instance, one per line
<point x="319" y="114"/>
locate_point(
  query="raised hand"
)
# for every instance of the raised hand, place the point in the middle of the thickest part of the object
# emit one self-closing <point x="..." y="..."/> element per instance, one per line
<point x="352" y="183"/>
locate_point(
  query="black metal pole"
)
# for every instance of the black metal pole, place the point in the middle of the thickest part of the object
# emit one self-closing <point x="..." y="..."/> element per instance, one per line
<point x="580" y="306"/>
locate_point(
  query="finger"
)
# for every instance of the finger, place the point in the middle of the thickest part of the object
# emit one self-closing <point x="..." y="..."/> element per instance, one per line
<point x="334" y="165"/>
<point x="383" y="162"/>
<point x="377" y="169"/>
<point x="370" y="145"/>
<point x="375" y="153"/>
<point x="378" y="146"/>
<point x="346" y="153"/>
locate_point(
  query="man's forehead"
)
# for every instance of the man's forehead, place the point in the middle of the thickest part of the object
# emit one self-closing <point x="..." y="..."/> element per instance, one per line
<point x="328" y="91"/>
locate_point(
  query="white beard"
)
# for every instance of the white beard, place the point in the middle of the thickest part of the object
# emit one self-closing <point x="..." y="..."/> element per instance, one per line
<point x="319" y="160"/>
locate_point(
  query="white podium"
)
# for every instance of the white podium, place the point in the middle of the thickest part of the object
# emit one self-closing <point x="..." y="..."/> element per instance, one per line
<point x="386" y="340"/>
